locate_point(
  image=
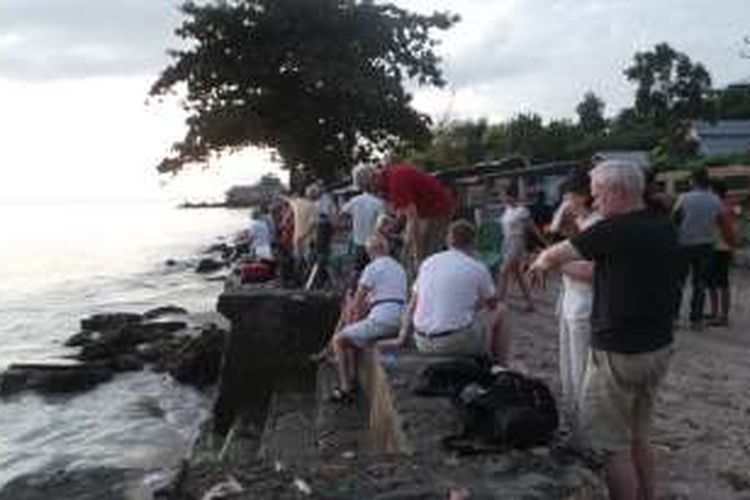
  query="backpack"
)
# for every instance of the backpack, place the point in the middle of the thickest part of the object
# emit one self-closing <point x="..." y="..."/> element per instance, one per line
<point x="514" y="411"/>
<point x="448" y="378"/>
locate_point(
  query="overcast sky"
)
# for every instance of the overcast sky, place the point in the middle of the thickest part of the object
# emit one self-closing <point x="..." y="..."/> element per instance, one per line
<point x="74" y="76"/>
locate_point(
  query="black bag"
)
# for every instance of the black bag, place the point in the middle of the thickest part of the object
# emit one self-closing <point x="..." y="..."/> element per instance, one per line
<point x="514" y="411"/>
<point x="448" y="378"/>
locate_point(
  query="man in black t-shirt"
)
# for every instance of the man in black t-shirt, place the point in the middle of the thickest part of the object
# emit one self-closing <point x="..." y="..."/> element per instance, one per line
<point x="633" y="250"/>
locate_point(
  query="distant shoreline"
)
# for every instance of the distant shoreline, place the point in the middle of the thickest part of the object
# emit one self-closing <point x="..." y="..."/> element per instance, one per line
<point x="215" y="204"/>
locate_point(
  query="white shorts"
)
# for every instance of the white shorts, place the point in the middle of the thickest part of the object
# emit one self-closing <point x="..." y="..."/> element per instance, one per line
<point x="366" y="332"/>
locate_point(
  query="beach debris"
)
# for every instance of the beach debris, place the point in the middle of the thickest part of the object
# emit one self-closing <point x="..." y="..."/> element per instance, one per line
<point x="302" y="486"/>
<point x="230" y="486"/>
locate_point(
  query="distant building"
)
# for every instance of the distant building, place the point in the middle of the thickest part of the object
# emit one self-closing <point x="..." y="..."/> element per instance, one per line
<point x="722" y="138"/>
<point x="264" y="191"/>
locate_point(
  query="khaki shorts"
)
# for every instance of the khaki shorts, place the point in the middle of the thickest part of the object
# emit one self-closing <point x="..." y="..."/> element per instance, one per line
<point x="618" y="396"/>
<point x="469" y="340"/>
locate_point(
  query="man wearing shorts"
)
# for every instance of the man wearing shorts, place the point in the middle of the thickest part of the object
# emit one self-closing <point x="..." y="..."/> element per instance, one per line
<point x="453" y="307"/>
<point x="378" y="302"/>
<point x="633" y="250"/>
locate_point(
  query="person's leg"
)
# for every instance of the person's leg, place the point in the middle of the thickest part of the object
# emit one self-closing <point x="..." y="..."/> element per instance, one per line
<point x="643" y="460"/>
<point x="724" y="293"/>
<point x="569" y="401"/>
<point x="579" y="345"/>
<point x="503" y="280"/>
<point x="700" y="262"/>
<point x="500" y="335"/>
<point x="340" y="350"/>
<point x="682" y="268"/>
<point x="523" y="285"/>
<point x="621" y="476"/>
<point x="725" y="301"/>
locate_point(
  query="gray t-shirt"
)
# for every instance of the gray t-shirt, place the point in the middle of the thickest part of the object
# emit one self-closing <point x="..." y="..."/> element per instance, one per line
<point x="698" y="210"/>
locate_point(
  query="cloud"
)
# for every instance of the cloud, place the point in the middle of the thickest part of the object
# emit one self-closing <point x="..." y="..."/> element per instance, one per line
<point x="519" y="55"/>
<point x="49" y="39"/>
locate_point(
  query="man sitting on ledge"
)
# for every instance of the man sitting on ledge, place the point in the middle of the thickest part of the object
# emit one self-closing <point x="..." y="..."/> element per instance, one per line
<point x="453" y="307"/>
<point x="372" y="313"/>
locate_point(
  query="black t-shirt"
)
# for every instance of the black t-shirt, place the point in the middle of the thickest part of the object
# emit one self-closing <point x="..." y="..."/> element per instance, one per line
<point x="634" y="262"/>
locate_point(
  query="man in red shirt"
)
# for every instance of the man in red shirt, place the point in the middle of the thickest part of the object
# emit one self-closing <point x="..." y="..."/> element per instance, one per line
<point x="426" y="204"/>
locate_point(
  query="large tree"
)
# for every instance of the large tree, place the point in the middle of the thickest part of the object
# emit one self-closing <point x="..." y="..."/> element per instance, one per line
<point x="591" y="115"/>
<point x="319" y="81"/>
<point x="670" y="86"/>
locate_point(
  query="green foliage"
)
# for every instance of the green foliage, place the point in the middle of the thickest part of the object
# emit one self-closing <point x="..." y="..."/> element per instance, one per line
<point x="319" y="81"/>
<point x="462" y="143"/>
<point x="670" y="87"/>
<point x="733" y="103"/>
<point x="591" y="115"/>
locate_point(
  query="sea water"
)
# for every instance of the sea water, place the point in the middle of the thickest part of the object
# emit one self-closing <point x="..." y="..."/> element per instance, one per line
<point x="62" y="261"/>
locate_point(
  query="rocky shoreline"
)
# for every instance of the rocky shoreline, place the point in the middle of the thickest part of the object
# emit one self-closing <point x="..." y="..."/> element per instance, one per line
<point x="184" y="345"/>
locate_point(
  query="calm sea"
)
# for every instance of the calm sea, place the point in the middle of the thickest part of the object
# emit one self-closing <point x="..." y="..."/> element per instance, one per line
<point x="62" y="261"/>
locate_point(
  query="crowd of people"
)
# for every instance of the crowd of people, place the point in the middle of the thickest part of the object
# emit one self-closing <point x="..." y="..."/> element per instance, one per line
<point x="624" y="255"/>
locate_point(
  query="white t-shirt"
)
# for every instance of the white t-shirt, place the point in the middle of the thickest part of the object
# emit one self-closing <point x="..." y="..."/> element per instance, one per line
<point x="260" y="238"/>
<point x="326" y="206"/>
<point x="386" y="280"/>
<point x="514" y="221"/>
<point x="364" y="210"/>
<point x="449" y="287"/>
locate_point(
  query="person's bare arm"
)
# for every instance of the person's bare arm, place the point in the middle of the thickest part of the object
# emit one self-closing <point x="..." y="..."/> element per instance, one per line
<point x="552" y="258"/>
<point x="359" y="303"/>
<point x="403" y="333"/>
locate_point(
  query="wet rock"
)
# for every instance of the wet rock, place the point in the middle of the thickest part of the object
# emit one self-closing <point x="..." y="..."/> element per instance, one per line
<point x="198" y="362"/>
<point x="209" y="265"/>
<point x="109" y="321"/>
<point x="87" y="484"/>
<point x="222" y="249"/>
<point x="109" y="344"/>
<point x="158" y="312"/>
<point x="52" y="379"/>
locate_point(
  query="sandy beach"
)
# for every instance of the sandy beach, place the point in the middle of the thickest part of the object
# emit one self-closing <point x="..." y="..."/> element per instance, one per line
<point x="701" y="421"/>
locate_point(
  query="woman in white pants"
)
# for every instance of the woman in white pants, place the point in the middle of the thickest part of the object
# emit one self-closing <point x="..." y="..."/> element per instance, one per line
<point x="574" y="307"/>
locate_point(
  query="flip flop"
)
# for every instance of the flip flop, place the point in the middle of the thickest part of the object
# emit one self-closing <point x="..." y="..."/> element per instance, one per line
<point x="339" y="395"/>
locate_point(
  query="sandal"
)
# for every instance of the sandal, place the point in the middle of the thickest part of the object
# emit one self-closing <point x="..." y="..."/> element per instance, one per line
<point x="339" y="395"/>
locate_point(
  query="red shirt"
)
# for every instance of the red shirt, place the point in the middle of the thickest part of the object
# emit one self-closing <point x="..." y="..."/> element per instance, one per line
<point x="402" y="185"/>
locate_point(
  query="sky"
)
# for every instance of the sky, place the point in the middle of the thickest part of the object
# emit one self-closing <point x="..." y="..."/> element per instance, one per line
<point x="74" y="77"/>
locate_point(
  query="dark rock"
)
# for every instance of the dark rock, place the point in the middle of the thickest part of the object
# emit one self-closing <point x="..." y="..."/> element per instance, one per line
<point x="83" y="338"/>
<point x="221" y="248"/>
<point x="86" y="484"/>
<point x="112" y="343"/>
<point x="209" y="265"/>
<point x="52" y="379"/>
<point x="126" y="363"/>
<point x="109" y="321"/>
<point x="163" y="311"/>
<point x="160" y="352"/>
<point x="170" y="262"/>
<point x="198" y="363"/>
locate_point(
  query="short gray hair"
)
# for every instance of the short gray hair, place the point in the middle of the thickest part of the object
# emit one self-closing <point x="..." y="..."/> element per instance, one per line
<point x="623" y="175"/>
<point x="361" y="175"/>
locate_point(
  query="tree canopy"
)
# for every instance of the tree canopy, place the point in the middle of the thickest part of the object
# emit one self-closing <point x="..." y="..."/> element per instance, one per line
<point x="591" y="114"/>
<point x="319" y="81"/>
<point x="670" y="86"/>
